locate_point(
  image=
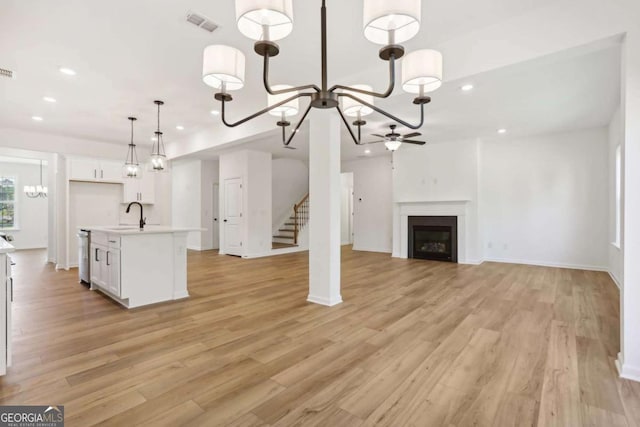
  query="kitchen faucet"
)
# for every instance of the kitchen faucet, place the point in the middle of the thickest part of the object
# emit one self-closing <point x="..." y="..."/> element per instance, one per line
<point x="143" y="221"/>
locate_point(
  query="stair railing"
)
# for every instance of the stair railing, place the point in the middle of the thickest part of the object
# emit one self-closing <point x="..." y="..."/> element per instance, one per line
<point x="300" y="217"/>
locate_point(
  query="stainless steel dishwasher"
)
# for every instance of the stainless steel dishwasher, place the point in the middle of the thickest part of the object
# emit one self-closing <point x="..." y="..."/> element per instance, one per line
<point x="84" y="249"/>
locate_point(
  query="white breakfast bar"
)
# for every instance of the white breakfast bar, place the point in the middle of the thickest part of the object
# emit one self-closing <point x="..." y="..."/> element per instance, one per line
<point x="139" y="267"/>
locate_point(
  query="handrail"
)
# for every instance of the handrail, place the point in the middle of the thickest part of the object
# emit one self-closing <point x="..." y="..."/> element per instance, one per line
<point x="300" y="217"/>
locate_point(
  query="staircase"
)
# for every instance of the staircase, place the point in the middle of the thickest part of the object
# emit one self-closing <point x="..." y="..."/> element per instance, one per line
<point x="289" y="232"/>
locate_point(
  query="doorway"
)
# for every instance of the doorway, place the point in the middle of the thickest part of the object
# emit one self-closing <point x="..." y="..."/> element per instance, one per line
<point x="215" y="212"/>
<point x="346" y="209"/>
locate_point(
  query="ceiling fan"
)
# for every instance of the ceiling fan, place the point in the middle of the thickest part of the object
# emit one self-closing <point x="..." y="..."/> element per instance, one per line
<point x="394" y="140"/>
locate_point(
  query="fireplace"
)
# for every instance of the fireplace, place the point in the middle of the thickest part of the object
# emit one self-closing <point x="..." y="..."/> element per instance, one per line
<point x="433" y="238"/>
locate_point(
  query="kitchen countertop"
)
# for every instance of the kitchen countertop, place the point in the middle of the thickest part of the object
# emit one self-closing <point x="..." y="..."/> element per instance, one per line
<point x="5" y="247"/>
<point x="133" y="230"/>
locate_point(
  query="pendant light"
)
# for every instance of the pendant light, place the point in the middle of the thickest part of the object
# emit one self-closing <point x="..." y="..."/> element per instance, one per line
<point x="132" y="167"/>
<point x="159" y="162"/>
<point x="36" y="191"/>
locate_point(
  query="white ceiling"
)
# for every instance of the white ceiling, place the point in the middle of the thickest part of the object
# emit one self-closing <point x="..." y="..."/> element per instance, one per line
<point x="128" y="53"/>
<point x="575" y="89"/>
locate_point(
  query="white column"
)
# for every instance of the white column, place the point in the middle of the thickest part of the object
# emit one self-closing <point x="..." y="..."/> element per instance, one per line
<point x="629" y="357"/>
<point x="324" y="212"/>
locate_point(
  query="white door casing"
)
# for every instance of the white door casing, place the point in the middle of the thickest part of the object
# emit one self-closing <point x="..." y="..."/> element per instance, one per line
<point x="233" y="216"/>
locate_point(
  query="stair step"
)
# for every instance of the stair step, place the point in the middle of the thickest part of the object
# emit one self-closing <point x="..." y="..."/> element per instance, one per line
<point x="287" y="230"/>
<point x="283" y="237"/>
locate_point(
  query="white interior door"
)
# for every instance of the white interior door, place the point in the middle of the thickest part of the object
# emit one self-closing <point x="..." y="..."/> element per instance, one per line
<point x="232" y="222"/>
<point x="215" y="212"/>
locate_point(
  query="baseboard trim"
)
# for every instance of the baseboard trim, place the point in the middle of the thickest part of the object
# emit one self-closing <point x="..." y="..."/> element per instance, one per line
<point x="471" y="262"/>
<point x="366" y="249"/>
<point x="615" y="280"/>
<point x="548" y="264"/>
<point x="627" y="372"/>
<point x="324" y="301"/>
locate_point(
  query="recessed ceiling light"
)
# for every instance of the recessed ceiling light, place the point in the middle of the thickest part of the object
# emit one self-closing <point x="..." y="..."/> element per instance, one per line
<point x="367" y="151"/>
<point x="67" y="71"/>
<point x="502" y="131"/>
<point x="180" y="127"/>
<point x="154" y="139"/>
<point x="49" y="99"/>
<point x="467" y="87"/>
<point x="37" y="118"/>
<point x="215" y="112"/>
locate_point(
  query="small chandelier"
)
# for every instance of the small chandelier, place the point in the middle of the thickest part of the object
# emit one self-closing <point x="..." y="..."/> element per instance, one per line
<point x="386" y="23"/>
<point x="36" y="191"/>
<point x="159" y="161"/>
<point x="132" y="167"/>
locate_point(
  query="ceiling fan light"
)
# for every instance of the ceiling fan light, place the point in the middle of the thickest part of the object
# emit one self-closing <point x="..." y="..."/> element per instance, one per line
<point x="391" y="22"/>
<point x="351" y="107"/>
<point x="422" y="71"/>
<point x="265" y="19"/>
<point x="291" y="108"/>
<point x="393" y="145"/>
<point x="223" y="66"/>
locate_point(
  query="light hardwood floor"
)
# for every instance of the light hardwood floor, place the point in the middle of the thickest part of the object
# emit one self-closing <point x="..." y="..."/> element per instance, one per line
<point x="416" y="343"/>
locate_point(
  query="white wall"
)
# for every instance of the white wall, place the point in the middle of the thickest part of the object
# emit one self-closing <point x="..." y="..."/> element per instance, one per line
<point x="441" y="172"/>
<point x="290" y="183"/>
<point x="187" y="199"/>
<point x="209" y="176"/>
<point x="545" y="199"/>
<point x="32" y="222"/>
<point x="616" y="255"/>
<point x="372" y="203"/>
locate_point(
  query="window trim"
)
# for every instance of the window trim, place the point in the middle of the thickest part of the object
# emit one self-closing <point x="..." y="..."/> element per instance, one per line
<point x="16" y="205"/>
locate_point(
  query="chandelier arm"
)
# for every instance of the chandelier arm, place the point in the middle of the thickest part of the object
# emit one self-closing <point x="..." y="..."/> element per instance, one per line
<point x="392" y="83"/>
<point x="384" y="113"/>
<point x="295" y="131"/>
<point x="267" y="86"/>
<point x="259" y="113"/>
<point x="346" y="123"/>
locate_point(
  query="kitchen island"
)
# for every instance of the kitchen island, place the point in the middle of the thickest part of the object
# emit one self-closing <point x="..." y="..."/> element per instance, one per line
<point x="139" y="267"/>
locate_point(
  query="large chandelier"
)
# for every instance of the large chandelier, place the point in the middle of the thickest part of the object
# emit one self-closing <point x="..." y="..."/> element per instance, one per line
<point x="388" y="23"/>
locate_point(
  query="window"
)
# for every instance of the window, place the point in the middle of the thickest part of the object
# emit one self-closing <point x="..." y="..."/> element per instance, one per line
<point x="618" y="200"/>
<point x="7" y="202"/>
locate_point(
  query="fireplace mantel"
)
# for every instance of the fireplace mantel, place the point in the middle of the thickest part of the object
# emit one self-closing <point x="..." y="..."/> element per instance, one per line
<point x="402" y="210"/>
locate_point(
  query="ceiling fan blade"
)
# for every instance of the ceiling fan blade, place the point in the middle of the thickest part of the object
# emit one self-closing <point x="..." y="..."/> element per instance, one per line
<point x="373" y="142"/>
<point x="412" y="135"/>
<point x="413" y="142"/>
<point x="288" y="147"/>
<point x="377" y="135"/>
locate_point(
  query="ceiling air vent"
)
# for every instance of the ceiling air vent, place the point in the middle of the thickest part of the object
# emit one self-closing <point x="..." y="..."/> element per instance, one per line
<point x="202" y="22"/>
<point x="6" y="73"/>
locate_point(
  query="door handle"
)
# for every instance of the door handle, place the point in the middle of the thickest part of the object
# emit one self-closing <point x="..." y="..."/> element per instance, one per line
<point x="97" y="259"/>
<point x="95" y="173"/>
<point x="108" y="258"/>
<point x="215" y="219"/>
<point x="11" y="279"/>
<point x="225" y="220"/>
<point x="101" y="174"/>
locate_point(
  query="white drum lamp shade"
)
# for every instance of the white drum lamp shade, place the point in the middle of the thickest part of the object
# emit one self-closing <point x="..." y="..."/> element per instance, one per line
<point x="391" y="21"/>
<point x="422" y="71"/>
<point x="223" y="65"/>
<point x="291" y="108"/>
<point x="351" y="107"/>
<point x="265" y="19"/>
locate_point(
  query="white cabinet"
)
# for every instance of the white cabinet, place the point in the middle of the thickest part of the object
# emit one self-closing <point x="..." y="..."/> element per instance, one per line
<point x="105" y="263"/>
<point x="141" y="190"/>
<point x="6" y="299"/>
<point x="94" y="170"/>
